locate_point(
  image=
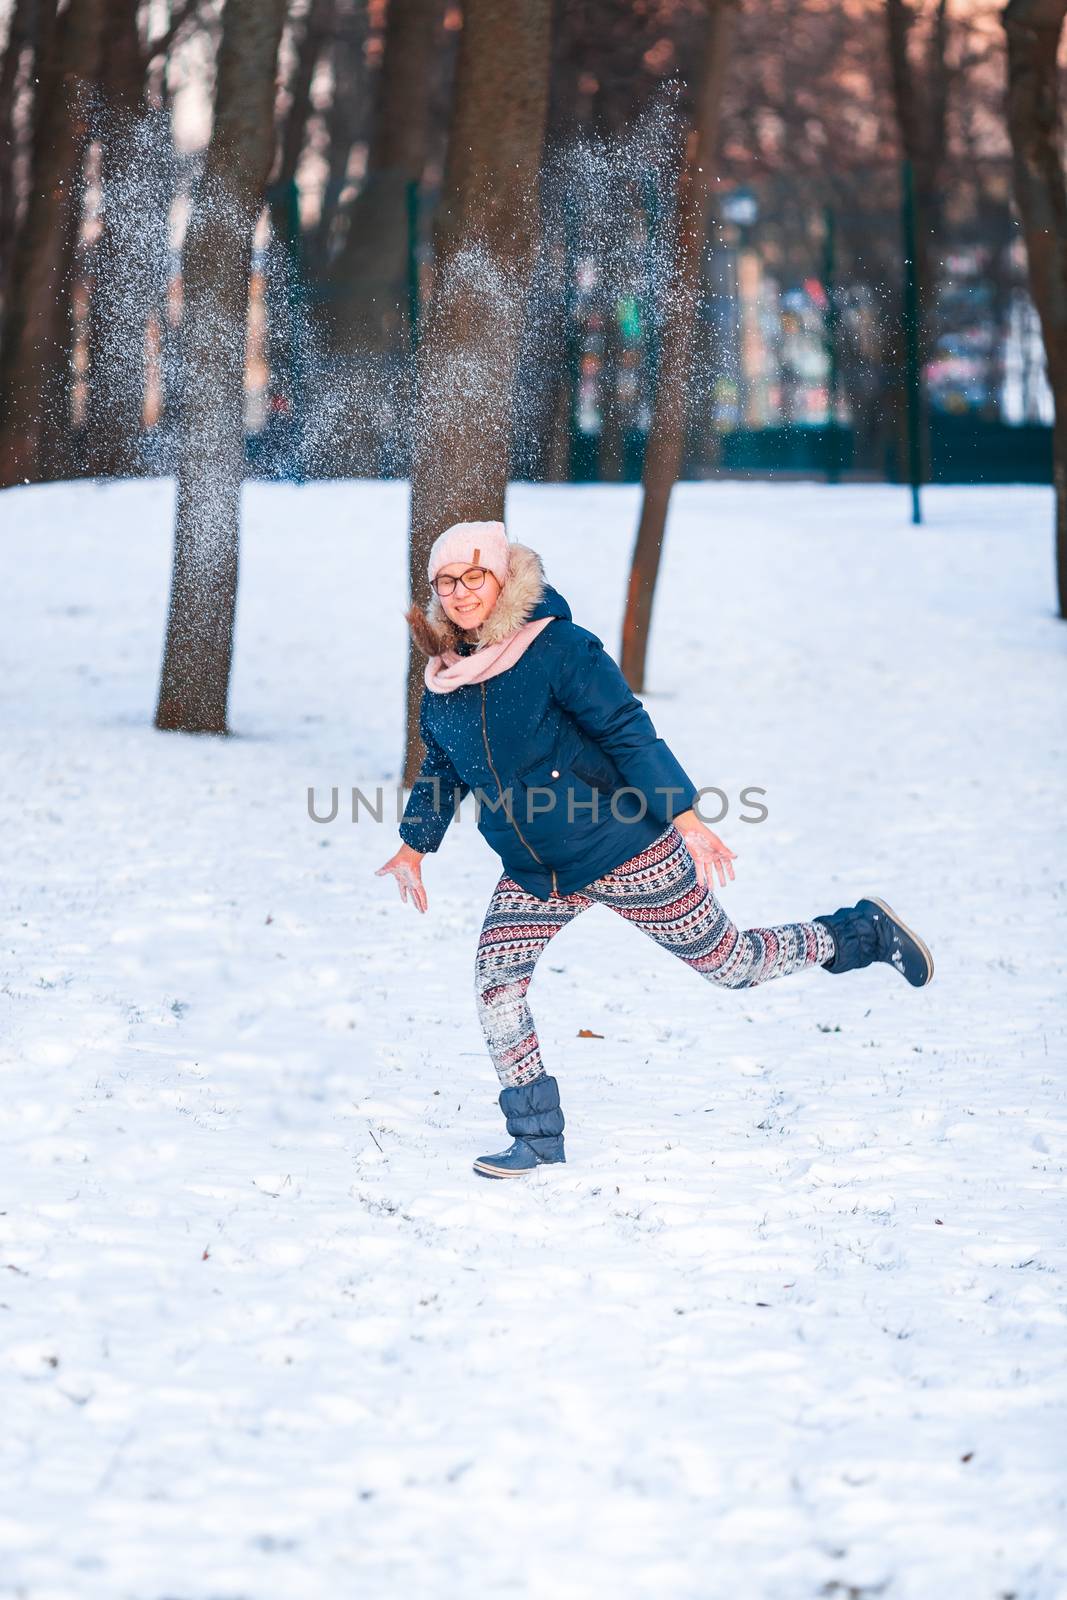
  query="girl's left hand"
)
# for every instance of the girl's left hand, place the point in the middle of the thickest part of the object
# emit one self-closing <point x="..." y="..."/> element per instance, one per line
<point x="708" y="852"/>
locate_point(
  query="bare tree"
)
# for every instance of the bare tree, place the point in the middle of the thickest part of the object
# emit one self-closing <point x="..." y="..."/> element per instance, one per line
<point x="129" y="260"/>
<point x="342" y="118"/>
<point x="116" y="346"/>
<point x="922" y="129"/>
<point x="368" y="320"/>
<point x="1034" y="28"/>
<point x="920" y="102"/>
<point x="370" y="267"/>
<point x="34" y="367"/>
<point x="211" y="457"/>
<point x="20" y="44"/>
<point x="663" y="452"/>
<point x="315" y="38"/>
<point x="485" y="245"/>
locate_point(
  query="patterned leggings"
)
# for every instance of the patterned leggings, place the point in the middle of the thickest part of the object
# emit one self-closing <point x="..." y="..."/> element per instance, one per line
<point x="658" y="891"/>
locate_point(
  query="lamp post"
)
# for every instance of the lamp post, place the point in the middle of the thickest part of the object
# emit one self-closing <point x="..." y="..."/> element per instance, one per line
<point x="912" y="375"/>
<point x="833" y="437"/>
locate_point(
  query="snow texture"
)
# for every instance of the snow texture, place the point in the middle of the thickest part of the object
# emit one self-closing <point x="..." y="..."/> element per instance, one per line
<point x="789" y="1323"/>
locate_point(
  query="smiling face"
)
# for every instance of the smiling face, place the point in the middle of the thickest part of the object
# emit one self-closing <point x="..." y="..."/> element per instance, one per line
<point x="467" y="608"/>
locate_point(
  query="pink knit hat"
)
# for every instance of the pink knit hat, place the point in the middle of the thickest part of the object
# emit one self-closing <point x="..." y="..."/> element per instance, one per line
<point x="479" y="544"/>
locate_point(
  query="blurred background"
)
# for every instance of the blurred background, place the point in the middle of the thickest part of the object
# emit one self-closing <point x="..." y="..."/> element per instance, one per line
<point x="854" y="136"/>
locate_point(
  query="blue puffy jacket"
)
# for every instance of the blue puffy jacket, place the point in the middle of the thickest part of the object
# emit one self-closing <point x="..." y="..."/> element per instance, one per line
<point x="545" y="746"/>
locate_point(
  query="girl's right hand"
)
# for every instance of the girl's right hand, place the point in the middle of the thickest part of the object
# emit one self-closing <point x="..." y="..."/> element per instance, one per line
<point x="406" y="868"/>
<point x="708" y="852"/>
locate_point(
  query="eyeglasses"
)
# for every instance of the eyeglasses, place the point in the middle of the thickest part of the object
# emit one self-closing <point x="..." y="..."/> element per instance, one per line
<point x="473" y="578"/>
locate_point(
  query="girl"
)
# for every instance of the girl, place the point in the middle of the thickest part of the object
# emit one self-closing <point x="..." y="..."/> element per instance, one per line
<point x="584" y="805"/>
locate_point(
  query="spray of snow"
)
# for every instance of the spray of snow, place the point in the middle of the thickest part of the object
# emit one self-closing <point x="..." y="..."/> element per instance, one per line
<point x="602" y="284"/>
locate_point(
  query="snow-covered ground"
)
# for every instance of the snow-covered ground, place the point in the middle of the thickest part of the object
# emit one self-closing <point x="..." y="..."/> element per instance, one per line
<point x="790" y="1323"/>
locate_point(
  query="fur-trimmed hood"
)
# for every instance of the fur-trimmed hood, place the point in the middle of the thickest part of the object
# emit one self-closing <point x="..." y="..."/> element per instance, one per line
<point x="525" y="596"/>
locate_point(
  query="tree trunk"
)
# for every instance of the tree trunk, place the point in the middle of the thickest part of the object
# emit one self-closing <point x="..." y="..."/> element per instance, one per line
<point x="1034" y="28"/>
<point x="921" y="130"/>
<point x="921" y="109"/>
<point x="286" y="269"/>
<point x="342" y="119"/>
<point x="119" y="297"/>
<point x="211" y="451"/>
<point x="59" y="454"/>
<point x="666" y="436"/>
<point x="368" y="323"/>
<point x="130" y="289"/>
<point x="485" y="243"/>
<point x="318" y="28"/>
<point x="19" y="36"/>
<point x="36" y="330"/>
<point x="371" y="267"/>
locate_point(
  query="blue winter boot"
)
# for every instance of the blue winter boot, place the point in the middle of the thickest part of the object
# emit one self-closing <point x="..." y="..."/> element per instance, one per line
<point x="535" y="1121"/>
<point x="871" y="931"/>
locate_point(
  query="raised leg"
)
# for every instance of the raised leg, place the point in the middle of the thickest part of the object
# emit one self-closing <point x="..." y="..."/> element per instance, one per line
<point x="659" y="892"/>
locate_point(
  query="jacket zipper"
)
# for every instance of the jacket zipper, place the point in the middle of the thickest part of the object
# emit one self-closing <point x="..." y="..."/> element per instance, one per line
<point x="500" y="792"/>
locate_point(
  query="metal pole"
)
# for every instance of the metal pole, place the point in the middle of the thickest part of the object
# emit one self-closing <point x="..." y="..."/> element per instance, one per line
<point x="913" y="388"/>
<point x="833" y="439"/>
<point x="653" y="295"/>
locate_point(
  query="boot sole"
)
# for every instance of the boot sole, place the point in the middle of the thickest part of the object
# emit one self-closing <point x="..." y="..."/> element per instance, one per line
<point x="510" y="1172"/>
<point x="498" y="1172"/>
<point x="891" y="914"/>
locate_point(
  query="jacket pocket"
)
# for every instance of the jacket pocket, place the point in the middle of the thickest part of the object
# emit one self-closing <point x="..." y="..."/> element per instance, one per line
<point x="593" y="764"/>
<point x="597" y="774"/>
<point x="555" y="804"/>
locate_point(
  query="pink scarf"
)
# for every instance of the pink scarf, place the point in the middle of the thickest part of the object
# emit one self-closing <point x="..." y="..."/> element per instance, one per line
<point x="448" y="670"/>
